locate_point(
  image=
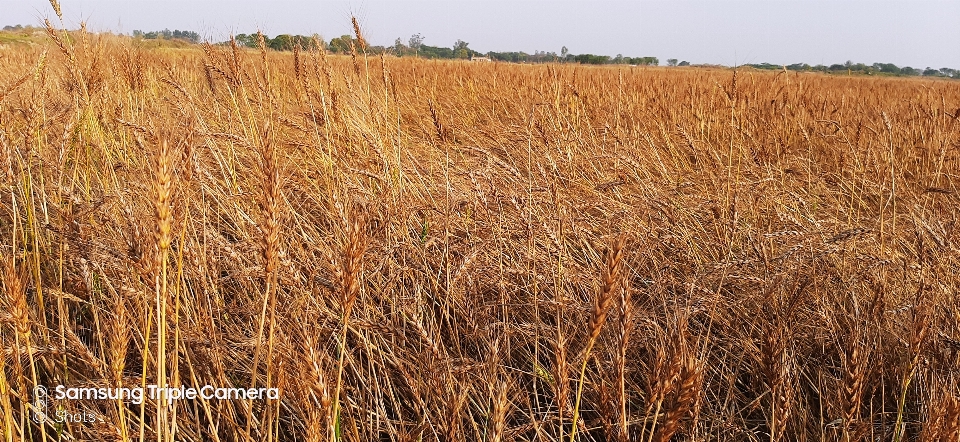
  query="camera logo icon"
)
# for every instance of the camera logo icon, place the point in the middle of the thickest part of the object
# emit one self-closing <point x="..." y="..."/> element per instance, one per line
<point x="40" y="398"/>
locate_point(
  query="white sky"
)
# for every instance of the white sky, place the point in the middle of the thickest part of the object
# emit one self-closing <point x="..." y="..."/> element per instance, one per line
<point x="917" y="33"/>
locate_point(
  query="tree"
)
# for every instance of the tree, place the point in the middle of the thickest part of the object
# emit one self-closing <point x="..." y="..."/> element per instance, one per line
<point x="888" y="68"/>
<point x="646" y="61"/>
<point x="167" y="34"/>
<point x="341" y="44"/>
<point x="282" y="42"/>
<point x="564" y="51"/>
<point x="247" y="40"/>
<point x="684" y="63"/>
<point x="592" y="59"/>
<point x="460" y="49"/>
<point x="190" y="36"/>
<point x="416" y="40"/>
<point x="671" y="62"/>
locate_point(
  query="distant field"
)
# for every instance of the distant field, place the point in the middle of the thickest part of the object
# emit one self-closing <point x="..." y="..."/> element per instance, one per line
<point x="446" y="250"/>
<point x="8" y="39"/>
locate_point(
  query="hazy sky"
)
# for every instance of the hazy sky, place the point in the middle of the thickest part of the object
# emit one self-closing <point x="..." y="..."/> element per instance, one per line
<point x="917" y="33"/>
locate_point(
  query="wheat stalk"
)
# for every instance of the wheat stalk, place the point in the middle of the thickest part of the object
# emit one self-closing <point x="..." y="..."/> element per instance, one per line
<point x="119" y="341"/>
<point x="56" y="8"/>
<point x="351" y="266"/>
<point x="164" y="220"/>
<point x="16" y="299"/>
<point x="921" y="329"/>
<point x="688" y="389"/>
<point x="853" y="383"/>
<point x="776" y="372"/>
<point x="609" y="280"/>
<point x="356" y="31"/>
<point x="499" y="418"/>
<point x="626" y="316"/>
<point x="666" y="373"/>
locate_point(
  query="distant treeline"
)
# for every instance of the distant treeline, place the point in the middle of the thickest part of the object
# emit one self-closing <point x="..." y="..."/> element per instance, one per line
<point x="167" y="34"/>
<point x="19" y="28"/>
<point x="415" y="47"/>
<point x="461" y="49"/>
<point x="860" y="68"/>
<point x="282" y="42"/>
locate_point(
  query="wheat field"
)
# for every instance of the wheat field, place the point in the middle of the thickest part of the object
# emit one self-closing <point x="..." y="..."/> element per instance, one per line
<point x="414" y="250"/>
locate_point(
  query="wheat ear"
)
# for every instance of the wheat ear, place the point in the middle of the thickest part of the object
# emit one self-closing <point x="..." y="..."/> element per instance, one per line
<point x="691" y="376"/>
<point x="269" y="202"/>
<point x="162" y="189"/>
<point x="351" y="264"/>
<point x="601" y="306"/>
